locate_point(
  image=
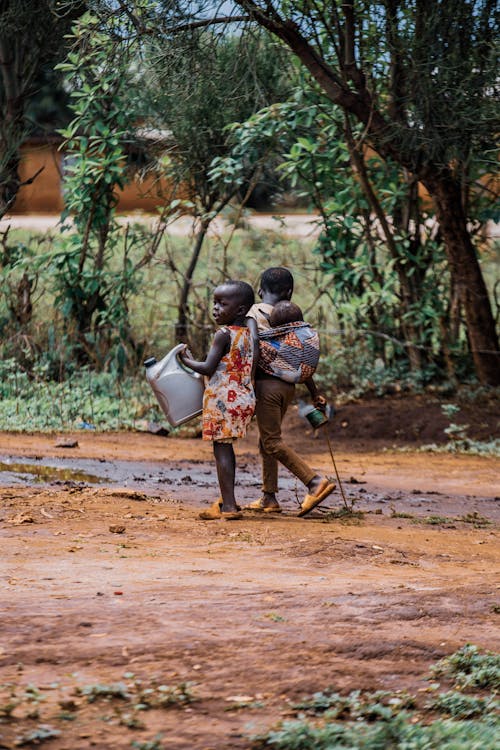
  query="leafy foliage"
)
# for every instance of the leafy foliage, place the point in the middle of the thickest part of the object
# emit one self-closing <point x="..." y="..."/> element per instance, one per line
<point x="92" y="292"/>
<point x="194" y="85"/>
<point x="383" y="263"/>
<point x="398" y="734"/>
<point x="462" y="706"/>
<point x="470" y="668"/>
<point x="383" y="720"/>
<point x="407" y="73"/>
<point x="104" y="401"/>
<point x="460" y="442"/>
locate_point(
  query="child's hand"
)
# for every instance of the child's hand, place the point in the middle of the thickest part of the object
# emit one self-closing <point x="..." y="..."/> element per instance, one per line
<point x="320" y="403"/>
<point x="185" y="353"/>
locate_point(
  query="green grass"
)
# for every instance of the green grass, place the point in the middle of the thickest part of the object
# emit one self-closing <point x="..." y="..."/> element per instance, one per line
<point x="86" y="400"/>
<point x="470" y="668"/>
<point x="399" y="733"/>
<point x="386" y="720"/>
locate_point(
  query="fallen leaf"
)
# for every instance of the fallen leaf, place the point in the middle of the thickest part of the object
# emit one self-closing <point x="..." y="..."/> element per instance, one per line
<point x="21" y="518"/>
<point x="66" y="443"/>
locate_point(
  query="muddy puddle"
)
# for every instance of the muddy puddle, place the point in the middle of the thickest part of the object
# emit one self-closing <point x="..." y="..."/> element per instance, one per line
<point x="172" y="478"/>
<point x="194" y="483"/>
<point x="26" y="472"/>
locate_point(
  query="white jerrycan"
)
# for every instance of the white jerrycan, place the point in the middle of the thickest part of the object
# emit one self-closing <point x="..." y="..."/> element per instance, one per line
<point x="178" y="389"/>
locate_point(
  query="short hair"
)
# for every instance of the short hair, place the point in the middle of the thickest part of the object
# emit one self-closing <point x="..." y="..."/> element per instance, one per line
<point x="285" y="312"/>
<point x="277" y="280"/>
<point x="244" y="292"/>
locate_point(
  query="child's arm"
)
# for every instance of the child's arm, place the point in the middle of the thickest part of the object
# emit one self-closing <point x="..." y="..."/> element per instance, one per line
<point x="252" y="327"/>
<point x="318" y="399"/>
<point x="220" y="346"/>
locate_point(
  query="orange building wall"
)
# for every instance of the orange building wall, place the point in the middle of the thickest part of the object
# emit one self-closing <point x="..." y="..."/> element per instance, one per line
<point x="44" y="195"/>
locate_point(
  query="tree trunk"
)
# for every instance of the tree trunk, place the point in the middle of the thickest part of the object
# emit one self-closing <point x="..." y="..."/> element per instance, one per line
<point x="181" y="327"/>
<point x="466" y="276"/>
<point x="9" y="182"/>
<point x="410" y="333"/>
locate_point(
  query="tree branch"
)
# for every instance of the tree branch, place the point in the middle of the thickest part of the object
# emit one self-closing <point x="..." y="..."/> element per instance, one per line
<point x="204" y="22"/>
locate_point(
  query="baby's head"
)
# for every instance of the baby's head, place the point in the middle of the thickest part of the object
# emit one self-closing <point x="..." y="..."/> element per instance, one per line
<point x="277" y="281"/>
<point x="285" y="312"/>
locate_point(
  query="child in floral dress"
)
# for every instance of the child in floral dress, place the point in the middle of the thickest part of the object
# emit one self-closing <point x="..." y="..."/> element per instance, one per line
<point x="229" y="399"/>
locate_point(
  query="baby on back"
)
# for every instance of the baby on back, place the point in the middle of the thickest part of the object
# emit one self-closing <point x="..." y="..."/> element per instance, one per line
<point x="289" y="350"/>
<point x="285" y="312"/>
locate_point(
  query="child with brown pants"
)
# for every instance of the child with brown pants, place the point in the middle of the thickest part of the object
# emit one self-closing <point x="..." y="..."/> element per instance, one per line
<point x="273" y="399"/>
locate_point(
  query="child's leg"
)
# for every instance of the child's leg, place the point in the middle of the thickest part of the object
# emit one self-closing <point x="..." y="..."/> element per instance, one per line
<point x="269" y="463"/>
<point x="226" y="468"/>
<point x="272" y="403"/>
<point x="273" y="398"/>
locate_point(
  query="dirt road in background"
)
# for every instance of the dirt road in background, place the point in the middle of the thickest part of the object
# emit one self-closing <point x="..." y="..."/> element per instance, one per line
<point x="130" y="618"/>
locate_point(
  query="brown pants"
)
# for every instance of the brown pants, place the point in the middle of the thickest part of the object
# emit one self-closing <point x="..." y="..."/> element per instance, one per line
<point x="273" y="399"/>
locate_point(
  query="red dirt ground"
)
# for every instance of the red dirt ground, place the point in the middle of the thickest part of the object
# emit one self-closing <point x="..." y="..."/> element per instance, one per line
<point x="254" y="614"/>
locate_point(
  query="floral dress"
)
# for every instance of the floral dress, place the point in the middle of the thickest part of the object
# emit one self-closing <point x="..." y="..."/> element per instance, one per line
<point x="229" y="399"/>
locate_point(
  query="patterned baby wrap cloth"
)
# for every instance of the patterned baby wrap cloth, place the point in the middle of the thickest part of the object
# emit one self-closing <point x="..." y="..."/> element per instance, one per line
<point x="289" y="352"/>
<point x="229" y="399"/>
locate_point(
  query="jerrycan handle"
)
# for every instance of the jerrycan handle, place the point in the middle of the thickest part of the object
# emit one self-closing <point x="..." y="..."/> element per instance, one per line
<point x="174" y="354"/>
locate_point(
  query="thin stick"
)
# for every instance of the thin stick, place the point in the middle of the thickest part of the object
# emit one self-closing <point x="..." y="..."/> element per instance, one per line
<point x="337" y="474"/>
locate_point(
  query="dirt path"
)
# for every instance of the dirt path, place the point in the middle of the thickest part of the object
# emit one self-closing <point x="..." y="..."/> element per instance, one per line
<point x="289" y="225"/>
<point x="102" y="586"/>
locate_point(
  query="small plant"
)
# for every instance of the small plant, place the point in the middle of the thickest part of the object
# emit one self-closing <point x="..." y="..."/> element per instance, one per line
<point x="131" y="721"/>
<point x="384" y="720"/>
<point x="33" y="695"/>
<point x="459" y="441"/>
<point x="463" y="706"/>
<point x="400" y="514"/>
<point x="469" y="668"/>
<point x="449" y="410"/>
<point x="275" y="617"/>
<point x="400" y="733"/>
<point x="323" y="701"/>
<point x="94" y="692"/>
<point x="67" y="716"/>
<point x="343" y="514"/>
<point x="357" y="706"/>
<point x="433" y="520"/>
<point x="42" y="733"/>
<point x="163" y="696"/>
<point x="478" y="521"/>
<point x="8" y="701"/>
<point x="154" y="744"/>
